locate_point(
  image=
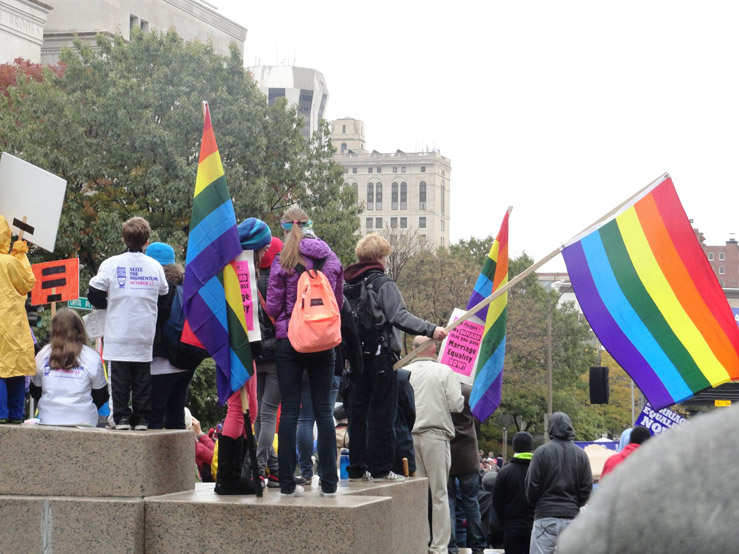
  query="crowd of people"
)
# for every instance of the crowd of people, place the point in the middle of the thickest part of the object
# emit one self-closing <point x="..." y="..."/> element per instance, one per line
<point x="414" y="421"/>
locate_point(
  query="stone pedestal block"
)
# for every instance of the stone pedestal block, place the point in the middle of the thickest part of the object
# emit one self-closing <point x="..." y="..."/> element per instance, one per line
<point x="410" y="531"/>
<point x="64" y="461"/>
<point x="71" y="525"/>
<point x="204" y="522"/>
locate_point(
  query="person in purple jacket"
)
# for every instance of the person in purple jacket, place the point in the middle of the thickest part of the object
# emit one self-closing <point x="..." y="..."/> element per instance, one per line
<point x="303" y="247"/>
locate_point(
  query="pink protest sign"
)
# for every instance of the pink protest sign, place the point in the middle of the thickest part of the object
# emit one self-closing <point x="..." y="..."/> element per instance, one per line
<point x="461" y="346"/>
<point x="244" y="266"/>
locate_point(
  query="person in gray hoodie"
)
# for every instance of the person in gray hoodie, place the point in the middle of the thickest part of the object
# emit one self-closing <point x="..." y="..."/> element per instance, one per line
<point x="558" y="484"/>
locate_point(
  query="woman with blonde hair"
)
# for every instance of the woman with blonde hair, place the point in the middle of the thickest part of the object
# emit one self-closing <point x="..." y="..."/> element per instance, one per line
<point x="69" y="380"/>
<point x="303" y="249"/>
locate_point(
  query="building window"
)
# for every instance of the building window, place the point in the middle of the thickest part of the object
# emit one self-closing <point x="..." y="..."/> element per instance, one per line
<point x="370" y="197"/>
<point x="370" y="169"/>
<point x="393" y="222"/>
<point x="343" y="129"/>
<point x="442" y="224"/>
<point x="354" y="169"/>
<point x="443" y="198"/>
<point x="403" y="222"/>
<point x="442" y="241"/>
<point x="133" y="22"/>
<point x="403" y="196"/>
<point x="402" y="170"/>
<point x="368" y="223"/>
<point x="379" y="170"/>
<point x="394" y="197"/>
<point x="144" y="25"/>
<point x="422" y="196"/>
<point x="343" y="147"/>
<point x="721" y="256"/>
<point x="421" y="222"/>
<point x="274" y="94"/>
<point x="710" y="256"/>
<point x="443" y="173"/>
<point x="395" y="170"/>
<point x="721" y="270"/>
<point x="378" y="197"/>
<point x="422" y="239"/>
<point x="378" y="223"/>
<point x="423" y="169"/>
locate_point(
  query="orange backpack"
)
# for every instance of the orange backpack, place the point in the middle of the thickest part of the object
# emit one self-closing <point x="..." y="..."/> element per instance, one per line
<point x="315" y="324"/>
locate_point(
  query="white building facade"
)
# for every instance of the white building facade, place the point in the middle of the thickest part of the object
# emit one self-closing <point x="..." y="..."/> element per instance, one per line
<point x="301" y="86"/>
<point x="22" y="29"/>
<point x="407" y="192"/>
<point x="192" y="19"/>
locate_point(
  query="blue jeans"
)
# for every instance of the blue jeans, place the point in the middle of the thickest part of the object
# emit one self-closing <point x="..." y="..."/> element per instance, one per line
<point x="544" y="534"/>
<point x="469" y="485"/>
<point x="306" y="419"/>
<point x="320" y="368"/>
<point x="13" y="398"/>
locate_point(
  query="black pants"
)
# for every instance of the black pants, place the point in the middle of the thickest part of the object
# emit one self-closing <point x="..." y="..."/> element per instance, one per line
<point x="134" y="379"/>
<point x="168" y="398"/>
<point x="517" y="541"/>
<point x="373" y="406"/>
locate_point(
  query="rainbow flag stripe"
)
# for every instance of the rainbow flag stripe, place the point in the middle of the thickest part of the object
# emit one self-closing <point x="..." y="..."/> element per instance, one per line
<point x="486" y="389"/>
<point x="651" y="297"/>
<point x="212" y="293"/>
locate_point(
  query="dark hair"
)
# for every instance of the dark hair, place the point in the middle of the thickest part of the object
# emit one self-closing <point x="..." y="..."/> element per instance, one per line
<point x="136" y="233"/>
<point x="639" y="434"/>
<point x="68" y="336"/>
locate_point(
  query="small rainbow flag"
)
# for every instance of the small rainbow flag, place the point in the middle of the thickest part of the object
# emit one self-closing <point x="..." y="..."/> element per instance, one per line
<point x="212" y="293"/>
<point x="485" y="395"/>
<point x="651" y="297"/>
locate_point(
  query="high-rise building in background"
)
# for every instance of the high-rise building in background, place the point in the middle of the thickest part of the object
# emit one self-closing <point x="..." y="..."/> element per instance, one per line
<point x="301" y="86"/>
<point x="192" y="19"/>
<point x="724" y="260"/>
<point x="402" y="192"/>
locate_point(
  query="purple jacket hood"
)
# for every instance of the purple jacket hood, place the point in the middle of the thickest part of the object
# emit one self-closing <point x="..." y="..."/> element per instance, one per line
<point x="282" y="288"/>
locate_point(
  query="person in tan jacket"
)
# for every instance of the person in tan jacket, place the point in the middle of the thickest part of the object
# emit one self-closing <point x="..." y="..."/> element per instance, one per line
<point x="16" y="342"/>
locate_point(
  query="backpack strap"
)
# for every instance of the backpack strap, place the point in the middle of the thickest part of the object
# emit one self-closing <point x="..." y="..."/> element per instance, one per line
<point x="317" y="265"/>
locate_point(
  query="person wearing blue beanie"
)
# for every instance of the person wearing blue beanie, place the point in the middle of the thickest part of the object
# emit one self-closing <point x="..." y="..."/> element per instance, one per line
<point x="161" y="252"/>
<point x="254" y="234"/>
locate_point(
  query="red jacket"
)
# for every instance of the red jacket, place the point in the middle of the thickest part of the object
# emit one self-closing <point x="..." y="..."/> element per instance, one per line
<point x="616" y="459"/>
<point x="204" y="451"/>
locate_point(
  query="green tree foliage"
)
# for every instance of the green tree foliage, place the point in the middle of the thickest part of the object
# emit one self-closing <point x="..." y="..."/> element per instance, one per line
<point x="123" y="123"/>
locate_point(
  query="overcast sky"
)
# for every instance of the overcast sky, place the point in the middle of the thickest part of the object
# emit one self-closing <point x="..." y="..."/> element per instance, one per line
<point x="559" y="109"/>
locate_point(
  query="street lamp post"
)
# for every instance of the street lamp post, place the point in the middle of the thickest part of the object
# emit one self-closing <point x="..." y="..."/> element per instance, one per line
<point x="555" y="286"/>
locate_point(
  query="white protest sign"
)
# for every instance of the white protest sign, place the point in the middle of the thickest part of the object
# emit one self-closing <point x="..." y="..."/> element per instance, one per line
<point x="29" y="191"/>
<point x="459" y="350"/>
<point x="244" y="265"/>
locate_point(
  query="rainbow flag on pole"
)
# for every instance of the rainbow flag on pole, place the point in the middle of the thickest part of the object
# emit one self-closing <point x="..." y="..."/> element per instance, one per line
<point x="651" y="297"/>
<point x="485" y="396"/>
<point x="212" y="295"/>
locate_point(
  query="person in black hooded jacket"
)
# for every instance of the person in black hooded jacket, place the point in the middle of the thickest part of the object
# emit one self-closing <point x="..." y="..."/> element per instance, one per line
<point x="558" y="484"/>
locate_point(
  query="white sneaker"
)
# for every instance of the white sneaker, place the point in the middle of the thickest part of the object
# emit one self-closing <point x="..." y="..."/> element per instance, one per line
<point x="392" y="477"/>
<point x="366" y="477"/>
<point x="297" y="492"/>
<point x="328" y="494"/>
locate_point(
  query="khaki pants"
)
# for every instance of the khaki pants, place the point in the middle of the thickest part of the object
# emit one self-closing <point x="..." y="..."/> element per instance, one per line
<point x="433" y="461"/>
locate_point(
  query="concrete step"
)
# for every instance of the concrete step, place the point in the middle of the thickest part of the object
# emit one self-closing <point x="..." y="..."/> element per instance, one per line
<point x="65" y="461"/>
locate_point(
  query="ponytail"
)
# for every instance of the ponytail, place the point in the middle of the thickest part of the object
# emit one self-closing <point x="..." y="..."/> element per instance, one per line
<point x="290" y="256"/>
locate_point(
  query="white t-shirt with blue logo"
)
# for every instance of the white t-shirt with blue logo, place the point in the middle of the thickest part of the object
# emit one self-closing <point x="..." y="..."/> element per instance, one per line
<point x="66" y="394"/>
<point x="134" y="282"/>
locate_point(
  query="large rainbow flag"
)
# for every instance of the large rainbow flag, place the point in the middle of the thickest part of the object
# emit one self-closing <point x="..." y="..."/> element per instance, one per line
<point x="485" y="396"/>
<point x="212" y="294"/>
<point x="651" y="297"/>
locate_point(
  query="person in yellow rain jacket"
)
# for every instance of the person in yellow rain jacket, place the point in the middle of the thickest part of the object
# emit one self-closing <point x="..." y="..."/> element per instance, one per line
<point x="16" y="342"/>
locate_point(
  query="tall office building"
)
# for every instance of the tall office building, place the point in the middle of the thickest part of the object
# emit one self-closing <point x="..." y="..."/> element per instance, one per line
<point x="192" y="19"/>
<point x="407" y="192"/>
<point x="303" y="87"/>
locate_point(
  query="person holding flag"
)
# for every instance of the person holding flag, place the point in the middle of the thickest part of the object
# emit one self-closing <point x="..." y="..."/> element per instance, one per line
<point x="213" y="305"/>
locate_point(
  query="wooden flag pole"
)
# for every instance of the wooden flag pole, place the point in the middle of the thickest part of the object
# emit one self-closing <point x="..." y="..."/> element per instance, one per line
<point x="53" y="303"/>
<point x="413" y="354"/>
<point x="20" y="232"/>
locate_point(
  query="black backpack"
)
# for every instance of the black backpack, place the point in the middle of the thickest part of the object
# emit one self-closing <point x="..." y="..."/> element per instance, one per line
<point x="372" y="327"/>
<point x="181" y="355"/>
